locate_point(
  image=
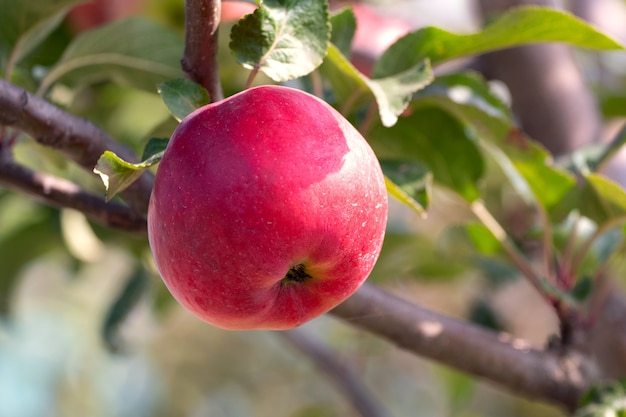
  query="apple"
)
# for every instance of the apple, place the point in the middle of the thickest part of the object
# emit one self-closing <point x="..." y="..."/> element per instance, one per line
<point x="268" y="210"/>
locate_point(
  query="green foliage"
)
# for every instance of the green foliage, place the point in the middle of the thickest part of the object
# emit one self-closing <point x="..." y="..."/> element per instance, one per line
<point x="607" y="400"/>
<point x="354" y="90"/>
<point x="285" y="39"/>
<point x="124" y="303"/>
<point x="451" y="131"/>
<point x="515" y="27"/>
<point x="118" y="174"/>
<point x="410" y="182"/>
<point x="136" y="52"/>
<point x="596" y="198"/>
<point x="24" y="25"/>
<point x="343" y="23"/>
<point x="182" y="96"/>
<point x="438" y="140"/>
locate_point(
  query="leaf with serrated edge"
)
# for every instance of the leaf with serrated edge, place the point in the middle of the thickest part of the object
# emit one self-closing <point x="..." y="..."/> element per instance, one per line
<point x="117" y="174"/>
<point x="285" y="39"/>
<point x="518" y="26"/>
<point x="182" y="97"/>
<point x="392" y="94"/>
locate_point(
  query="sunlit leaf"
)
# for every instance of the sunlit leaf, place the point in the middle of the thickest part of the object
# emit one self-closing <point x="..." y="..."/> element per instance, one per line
<point x="518" y="26"/>
<point x="392" y="94"/>
<point x="285" y="39"/>
<point x="596" y="198"/>
<point x="117" y="174"/>
<point x="529" y="167"/>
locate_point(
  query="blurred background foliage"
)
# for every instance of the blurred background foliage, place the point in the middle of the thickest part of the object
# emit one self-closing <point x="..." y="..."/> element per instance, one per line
<point x="88" y="329"/>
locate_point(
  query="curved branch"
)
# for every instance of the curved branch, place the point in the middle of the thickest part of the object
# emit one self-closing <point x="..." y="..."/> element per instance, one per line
<point x="78" y="139"/>
<point x="338" y="372"/>
<point x="556" y="377"/>
<point x="58" y="192"/>
<point x="202" y="19"/>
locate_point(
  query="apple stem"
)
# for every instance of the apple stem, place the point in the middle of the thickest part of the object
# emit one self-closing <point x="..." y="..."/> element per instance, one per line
<point x="296" y="274"/>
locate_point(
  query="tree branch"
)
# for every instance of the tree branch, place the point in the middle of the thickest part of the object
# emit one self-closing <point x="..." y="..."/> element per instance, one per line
<point x="60" y="193"/>
<point x="338" y="372"/>
<point x="78" y="139"/>
<point x="202" y="19"/>
<point x="556" y="377"/>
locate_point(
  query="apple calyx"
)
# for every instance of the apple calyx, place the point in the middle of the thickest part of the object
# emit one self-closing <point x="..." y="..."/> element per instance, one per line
<point x="296" y="274"/>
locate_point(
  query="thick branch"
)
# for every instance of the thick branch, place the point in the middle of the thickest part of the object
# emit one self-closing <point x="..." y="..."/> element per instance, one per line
<point x="202" y="19"/>
<point x="337" y="371"/>
<point x="59" y="192"/>
<point x="555" y="377"/>
<point x="77" y="138"/>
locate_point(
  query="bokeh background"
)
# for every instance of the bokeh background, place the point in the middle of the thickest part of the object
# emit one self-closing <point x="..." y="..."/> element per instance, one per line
<point x="87" y="328"/>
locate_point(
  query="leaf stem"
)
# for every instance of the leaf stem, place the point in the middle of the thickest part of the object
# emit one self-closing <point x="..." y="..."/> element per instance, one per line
<point x="482" y="213"/>
<point x="565" y="277"/>
<point x="251" y="77"/>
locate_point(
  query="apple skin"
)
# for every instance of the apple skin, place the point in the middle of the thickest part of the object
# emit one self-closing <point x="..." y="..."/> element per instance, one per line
<point x="268" y="210"/>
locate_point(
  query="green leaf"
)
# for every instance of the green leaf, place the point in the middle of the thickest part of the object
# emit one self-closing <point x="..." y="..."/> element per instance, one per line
<point x="285" y="39"/>
<point x="604" y="400"/>
<point x="154" y="148"/>
<point x="25" y="24"/>
<point x="596" y="198"/>
<point x="409" y="182"/>
<point x="527" y="164"/>
<point x="518" y="26"/>
<point x="393" y="94"/>
<point x="439" y="141"/>
<point x="122" y="306"/>
<point x="469" y="241"/>
<point x="117" y="174"/>
<point x="582" y="290"/>
<point x="136" y="51"/>
<point x="343" y="23"/>
<point x="482" y="313"/>
<point x="354" y="90"/>
<point x="349" y="86"/>
<point x="183" y="96"/>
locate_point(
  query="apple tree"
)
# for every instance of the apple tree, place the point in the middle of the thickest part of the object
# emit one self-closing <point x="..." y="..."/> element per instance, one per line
<point x="88" y="104"/>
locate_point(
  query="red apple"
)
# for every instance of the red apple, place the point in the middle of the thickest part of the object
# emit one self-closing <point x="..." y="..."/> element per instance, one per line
<point x="268" y="210"/>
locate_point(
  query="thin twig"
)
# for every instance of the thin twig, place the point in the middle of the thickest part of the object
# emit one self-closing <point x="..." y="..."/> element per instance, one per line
<point x="518" y="259"/>
<point x="202" y="19"/>
<point x="559" y="378"/>
<point x="78" y="139"/>
<point x="59" y="192"/>
<point x="341" y="374"/>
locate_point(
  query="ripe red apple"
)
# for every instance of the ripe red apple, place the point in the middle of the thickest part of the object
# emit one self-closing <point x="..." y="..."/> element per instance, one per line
<point x="268" y="210"/>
